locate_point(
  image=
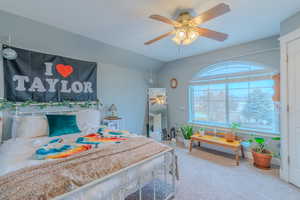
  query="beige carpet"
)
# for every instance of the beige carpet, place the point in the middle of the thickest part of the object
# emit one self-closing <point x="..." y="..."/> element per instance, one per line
<point x="209" y="175"/>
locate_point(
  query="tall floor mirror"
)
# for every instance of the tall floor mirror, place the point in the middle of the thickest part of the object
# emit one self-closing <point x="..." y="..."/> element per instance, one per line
<point x="157" y="115"/>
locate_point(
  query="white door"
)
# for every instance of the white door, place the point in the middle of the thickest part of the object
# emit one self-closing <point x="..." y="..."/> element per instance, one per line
<point x="294" y="113"/>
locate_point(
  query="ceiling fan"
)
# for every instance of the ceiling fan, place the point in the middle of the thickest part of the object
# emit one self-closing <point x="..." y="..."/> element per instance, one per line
<point x="186" y="28"/>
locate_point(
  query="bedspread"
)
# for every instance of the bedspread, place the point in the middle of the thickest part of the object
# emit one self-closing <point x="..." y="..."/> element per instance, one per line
<point x="57" y="177"/>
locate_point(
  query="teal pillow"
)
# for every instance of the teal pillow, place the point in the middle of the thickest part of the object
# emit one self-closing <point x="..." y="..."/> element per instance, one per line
<point x="62" y="125"/>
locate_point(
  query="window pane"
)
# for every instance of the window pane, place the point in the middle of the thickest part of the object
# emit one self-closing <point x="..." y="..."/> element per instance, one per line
<point x="238" y="94"/>
<point x="241" y="85"/>
<point x="201" y="111"/>
<point x="201" y="95"/>
<point x="217" y="111"/>
<point x="200" y="87"/>
<point x="259" y="109"/>
<point x="217" y="95"/>
<point x="231" y="68"/>
<point x="237" y="117"/>
<point x="262" y="83"/>
<point x="263" y="92"/>
<point x="217" y="87"/>
<point x="237" y="106"/>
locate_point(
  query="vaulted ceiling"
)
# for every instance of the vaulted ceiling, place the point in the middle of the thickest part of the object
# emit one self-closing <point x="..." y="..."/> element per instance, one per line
<point x="125" y="23"/>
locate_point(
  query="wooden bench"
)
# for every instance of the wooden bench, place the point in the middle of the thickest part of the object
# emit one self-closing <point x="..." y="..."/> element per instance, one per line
<point x="220" y="141"/>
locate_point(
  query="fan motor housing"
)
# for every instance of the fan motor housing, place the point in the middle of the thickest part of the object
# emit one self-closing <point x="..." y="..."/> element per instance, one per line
<point x="184" y="17"/>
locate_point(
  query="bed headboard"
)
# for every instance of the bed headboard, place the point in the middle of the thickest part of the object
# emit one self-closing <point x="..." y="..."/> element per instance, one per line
<point x="36" y="109"/>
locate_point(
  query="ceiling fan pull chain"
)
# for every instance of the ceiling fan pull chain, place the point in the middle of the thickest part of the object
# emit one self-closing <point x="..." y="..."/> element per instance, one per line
<point x="179" y="50"/>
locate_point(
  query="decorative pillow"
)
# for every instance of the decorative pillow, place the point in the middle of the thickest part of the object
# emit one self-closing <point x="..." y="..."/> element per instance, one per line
<point x="88" y="120"/>
<point x="62" y="125"/>
<point x="30" y="126"/>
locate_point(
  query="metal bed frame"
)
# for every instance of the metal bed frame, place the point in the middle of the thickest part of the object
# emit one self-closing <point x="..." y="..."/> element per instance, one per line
<point x="167" y="168"/>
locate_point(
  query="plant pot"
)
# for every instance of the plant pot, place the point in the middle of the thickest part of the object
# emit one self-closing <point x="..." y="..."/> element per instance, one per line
<point x="230" y="137"/>
<point x="186" y="143"/>
<point x="262" y="160"/>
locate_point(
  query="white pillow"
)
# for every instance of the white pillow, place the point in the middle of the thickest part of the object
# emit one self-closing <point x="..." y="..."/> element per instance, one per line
<point x="88" y="120"/>
<point x="30" y="126"/>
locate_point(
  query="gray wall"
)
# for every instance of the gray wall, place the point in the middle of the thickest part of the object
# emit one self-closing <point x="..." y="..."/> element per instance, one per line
<point x="122" y="75"/>
<point x="290" y="24"/>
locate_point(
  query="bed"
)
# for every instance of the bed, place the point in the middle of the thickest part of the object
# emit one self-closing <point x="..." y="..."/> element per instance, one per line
<point x="112" y="170"/>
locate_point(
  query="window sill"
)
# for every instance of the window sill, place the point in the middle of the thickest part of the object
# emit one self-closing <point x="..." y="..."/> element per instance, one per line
<point x="241" y="131"/>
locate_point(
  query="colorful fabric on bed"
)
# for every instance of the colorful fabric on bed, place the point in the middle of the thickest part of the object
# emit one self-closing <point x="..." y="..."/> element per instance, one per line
<point x="57" y="149"/>
<point x="96" y="138"/>
<point x="71" y="151"/>
<point x="115" y="133"/>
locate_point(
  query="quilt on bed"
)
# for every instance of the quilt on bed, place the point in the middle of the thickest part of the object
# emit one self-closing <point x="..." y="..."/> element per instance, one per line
<point x="60" y="176"/>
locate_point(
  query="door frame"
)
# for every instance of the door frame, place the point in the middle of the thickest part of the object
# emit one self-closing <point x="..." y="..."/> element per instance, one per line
<point x="284" y="108"/>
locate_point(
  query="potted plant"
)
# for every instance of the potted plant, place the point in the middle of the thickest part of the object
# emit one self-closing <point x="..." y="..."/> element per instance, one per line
<point x="230" y="137"/>
<point x="262" y="156"/>
<point x="201" y="131"/>
<point x="187" y="132"/>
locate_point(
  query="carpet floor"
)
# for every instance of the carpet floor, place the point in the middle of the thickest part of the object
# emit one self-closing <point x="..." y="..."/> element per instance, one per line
<point x="210" y="175"/>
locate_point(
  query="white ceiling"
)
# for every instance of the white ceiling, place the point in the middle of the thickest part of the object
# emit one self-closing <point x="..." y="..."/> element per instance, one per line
<point x="125" y="23"/>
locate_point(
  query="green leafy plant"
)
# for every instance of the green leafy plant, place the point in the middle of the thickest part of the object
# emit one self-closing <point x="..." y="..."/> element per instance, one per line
<point x="259" y="145"/>
<point x="9" y="105"/>
<point x="201" y="129"/>
<point x="234" y="126"/>
<point x="187" y="132"/>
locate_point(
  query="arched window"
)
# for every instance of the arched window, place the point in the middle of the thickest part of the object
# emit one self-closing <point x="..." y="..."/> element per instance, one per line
<point x="234" y="92"/>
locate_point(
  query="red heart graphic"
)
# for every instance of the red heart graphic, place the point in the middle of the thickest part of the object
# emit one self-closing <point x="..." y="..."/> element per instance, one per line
<point x="64" y="70"/>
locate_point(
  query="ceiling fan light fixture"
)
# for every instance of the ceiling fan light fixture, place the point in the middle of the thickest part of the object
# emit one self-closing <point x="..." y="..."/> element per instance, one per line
<point x="193" y="35"/>
<point x="181" y="33"/>
<point x="176" y="40"/>
<point x="185" y="35"/>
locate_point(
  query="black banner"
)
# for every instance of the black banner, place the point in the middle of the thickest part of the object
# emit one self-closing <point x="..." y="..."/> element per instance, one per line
<point x="42" y="77"/>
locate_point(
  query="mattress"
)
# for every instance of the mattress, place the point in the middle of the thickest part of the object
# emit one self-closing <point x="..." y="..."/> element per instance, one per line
<point x="18" y="154"/>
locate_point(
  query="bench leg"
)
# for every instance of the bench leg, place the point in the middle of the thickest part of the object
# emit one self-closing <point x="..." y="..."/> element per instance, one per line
<point x="237" y="157"/>
<point x="191" y="145"/>
<point x="242" y="151"/>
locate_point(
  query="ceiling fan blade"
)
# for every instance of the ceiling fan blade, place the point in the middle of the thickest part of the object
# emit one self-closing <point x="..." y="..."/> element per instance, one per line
<point x="214" y="12"/>
<point x="165" y="20"/>
<point x="211" y="34"/>
<point x="159" y="38"/>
